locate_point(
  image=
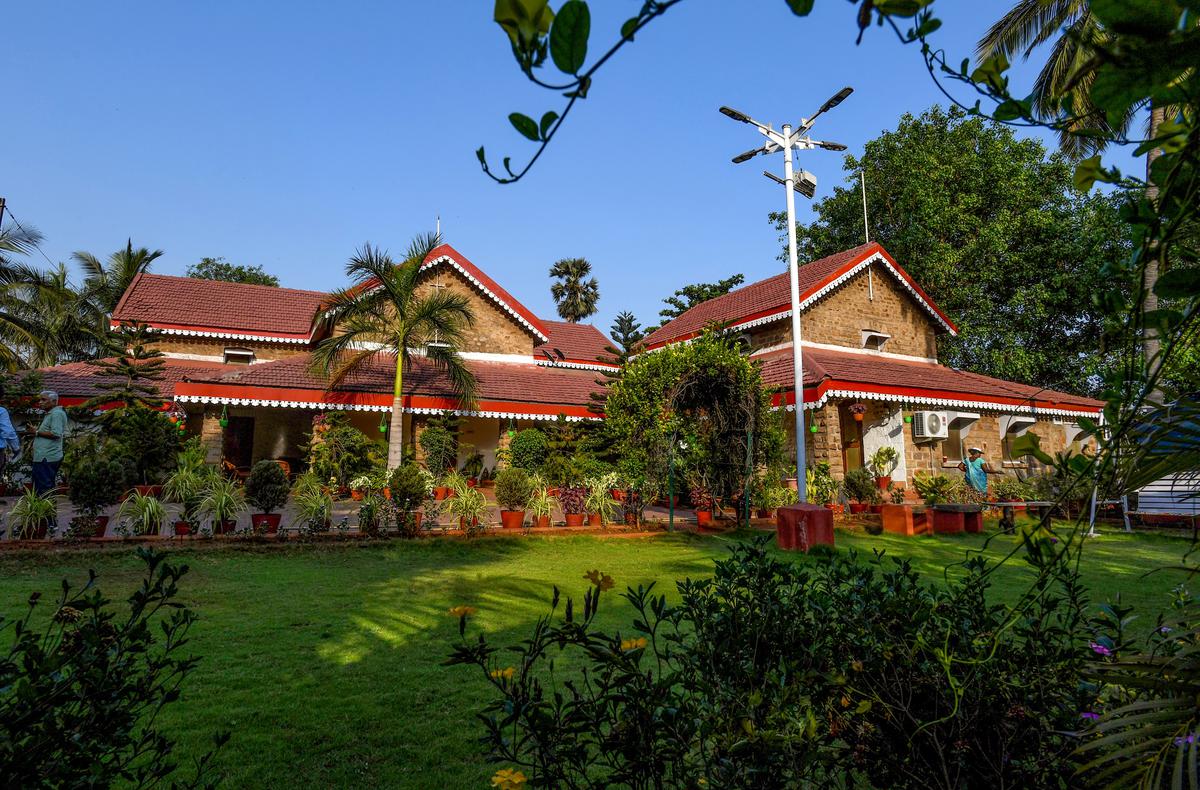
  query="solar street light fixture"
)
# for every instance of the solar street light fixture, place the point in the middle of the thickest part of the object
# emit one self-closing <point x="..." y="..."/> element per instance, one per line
<point x="786" y="139"/>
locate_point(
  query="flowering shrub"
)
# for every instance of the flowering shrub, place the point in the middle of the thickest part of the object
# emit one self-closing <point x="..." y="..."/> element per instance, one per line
<point x="777" y="674"/>
<point x="571" y="499"/>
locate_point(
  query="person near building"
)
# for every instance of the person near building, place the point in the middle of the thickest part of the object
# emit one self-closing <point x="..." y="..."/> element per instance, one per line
<point x="10" y="443"/>
<point x="976" y="469"/>
<point x="48" y="442"/>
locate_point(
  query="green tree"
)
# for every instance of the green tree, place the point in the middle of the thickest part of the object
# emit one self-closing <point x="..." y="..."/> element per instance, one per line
<point x="130" y="377"/>
<point x="575" y="294"/>
<point x="221" y="269"/>
<point x="997" y="234"/>
<point x="385" y="311"/>
<point x="106" y="282"/>
<point x="627" y="333"/>
<point x="689" y="296"/>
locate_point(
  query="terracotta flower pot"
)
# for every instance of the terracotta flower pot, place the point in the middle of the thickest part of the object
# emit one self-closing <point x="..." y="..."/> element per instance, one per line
<point x="417" y="517"/>
<point x="472" y="482"/>
<point x="836" y="509"/>
<point x="552" y="492"/>
<point x="858" y="417"/>
<point x="631" y="519"/>
<point x="858" y="507"/>
<point x="617" y="494"/>
<point x="703" y="518"/>
<point x="148" y="490"/>
<point x="512" y="519"/>
<point x="182" y="528"/>
<point x="462" y="523"/>
<point x="875" y="508"/>
<point x="224" y="527"/>
<point x="884" y="482"/>
<point x="574" y="519"/>
<point x="765" y="513"/>
<point x="356" y="495"/>
<point x="268" y="520"/>
<point x="441" y="492"/>
<point x="542" y="522"/>
<point x="594" y="520"/>
<point x="99" y="526"/>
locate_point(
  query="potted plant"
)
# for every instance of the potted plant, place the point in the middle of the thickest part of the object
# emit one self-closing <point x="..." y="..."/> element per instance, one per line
<point x="222" y="503"/>
<point x="313" y="505"/>
<point x="359" y="486"/>
<point x="32" y="515"/>
<point x="410" y="485"/>
<point x="859" y="489"/>
<point x="821" y="487"/>
<point x="572" y="500"/>
<point x="472" y="468"/>
<point x="186" y="487"/>
<point x="469" y="505"/>
<point x="141" y="514"/>
<point x="951" y="501"/>
<point x="540" y="503"/>
<point x="1010" y="489"/>
<point x="883" y="462"/>
<point x="702" y="502"/>
<point x="858" y="411"/>
<point x="487" y="477"/>
<point x="513" y="491"/>
<point x="598" y="502"/>
<point x="267" y="490"/>
<point x="93" y="486"/>
<point x="440" y="448"/>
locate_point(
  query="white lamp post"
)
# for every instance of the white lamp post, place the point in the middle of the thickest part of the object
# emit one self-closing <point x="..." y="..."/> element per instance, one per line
<point x="785" y="140"/>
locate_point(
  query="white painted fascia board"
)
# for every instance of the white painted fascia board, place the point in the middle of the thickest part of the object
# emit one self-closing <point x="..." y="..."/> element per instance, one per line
<point x="318" y="406"/>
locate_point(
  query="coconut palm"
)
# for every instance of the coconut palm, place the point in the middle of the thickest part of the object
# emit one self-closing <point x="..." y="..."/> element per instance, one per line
<point x="106" y="283"/>
<point x="386" y="310"/>
<point x="575" y="296"/>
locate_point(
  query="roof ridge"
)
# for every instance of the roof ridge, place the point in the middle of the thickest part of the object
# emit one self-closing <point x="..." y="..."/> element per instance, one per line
<point x="223" y="283"/>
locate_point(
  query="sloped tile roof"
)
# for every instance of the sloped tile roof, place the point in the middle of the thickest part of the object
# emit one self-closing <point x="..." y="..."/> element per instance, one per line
<point x="773" y="295"/>
<point x="492" y="288"/>
<point x="577" y="342"/>
<point x="79" y="379"/>
<point x="211" y="305"/>
<point x="822" y="366"/>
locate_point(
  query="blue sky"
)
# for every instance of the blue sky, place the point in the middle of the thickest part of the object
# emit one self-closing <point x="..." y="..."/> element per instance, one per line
<point x="287" y="134"/>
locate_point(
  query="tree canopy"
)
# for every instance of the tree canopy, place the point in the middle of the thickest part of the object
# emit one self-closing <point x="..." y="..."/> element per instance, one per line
<point x="221" y="269"/>
<point x="994" y="229"/>
<point x="575" y="293"/>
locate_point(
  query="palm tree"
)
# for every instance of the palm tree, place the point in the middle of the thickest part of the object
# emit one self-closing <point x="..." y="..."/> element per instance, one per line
<point x="18" y="335"/>
<point x="105" y="284"/>
<point x="385" y="310"/>
<point x="575" y="297"/>
<point x="1068" y="74"/>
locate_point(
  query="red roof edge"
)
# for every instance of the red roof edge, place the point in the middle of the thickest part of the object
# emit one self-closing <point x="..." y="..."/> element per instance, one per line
<point x="505" y="298"/>
<point x="916" y="287"/>
<point x="128" y="290"/>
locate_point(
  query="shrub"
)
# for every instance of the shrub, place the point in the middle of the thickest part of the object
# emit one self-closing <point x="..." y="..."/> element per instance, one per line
<point x="338" y="451"/>
<point x="859" y="486"/>
<point x="78" y="699"/>
<point x="513" y="489"/>
<point x="146" y="442"/>
<point x="750" y="682"/>
<point x="528" y="449"/>
<point x="96" y="484"/>
<point x="1010" y="489"/>
<point x="267" y="487"/>
<point x="440" y="447"/>
<point x="141" y="514"/>
<point x="222" y="501"/>
<point x="571" y="499"/>
<point x="31" y="513"/>
<point x="940" y="489"/>
<point x="820" y="486"/>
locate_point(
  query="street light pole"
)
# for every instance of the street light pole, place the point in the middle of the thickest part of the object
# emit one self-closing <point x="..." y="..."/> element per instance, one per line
<point x="797" y="354"/>
<point x="786" y="139"/>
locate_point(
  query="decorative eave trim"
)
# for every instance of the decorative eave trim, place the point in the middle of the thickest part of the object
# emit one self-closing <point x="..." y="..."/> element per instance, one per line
<point x="545" y="363"/>
<point x="817" y="397"/>
<point x="194" y="332"/>
<point x="488" y="291"/>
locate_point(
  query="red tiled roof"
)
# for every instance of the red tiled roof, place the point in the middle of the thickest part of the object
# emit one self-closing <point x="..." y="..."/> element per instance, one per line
<point x="497" y="381"/>
<point x="773" y="295"/>
<point x="185" y="303"/>
<point x="78" y="380"/>
<point x="577" y="342"/>
<point x="824" y="369"/>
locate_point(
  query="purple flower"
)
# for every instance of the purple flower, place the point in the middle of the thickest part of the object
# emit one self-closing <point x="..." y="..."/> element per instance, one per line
<point x="1100" y="650"/>
<point x="1164" y="630"/>
<point x="1054" y="540"/>
<point x="1189" y="739"/>
<point x="1087" y="714"/>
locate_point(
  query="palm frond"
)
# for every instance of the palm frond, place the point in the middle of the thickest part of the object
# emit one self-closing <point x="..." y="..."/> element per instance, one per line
<point x="462" y="380"/>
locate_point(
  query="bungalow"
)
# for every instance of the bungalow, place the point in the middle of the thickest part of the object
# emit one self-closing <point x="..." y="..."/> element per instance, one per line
<point x="871" y="373"/>
<point x="238" y="365"/>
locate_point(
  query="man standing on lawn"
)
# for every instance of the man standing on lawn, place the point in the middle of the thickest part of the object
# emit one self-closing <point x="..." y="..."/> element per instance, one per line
<point x="48" y="443"/>
<point x="976" y="469"/>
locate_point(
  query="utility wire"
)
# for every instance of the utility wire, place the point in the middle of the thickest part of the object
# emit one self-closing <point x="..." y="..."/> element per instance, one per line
<point x="38" y="247"/>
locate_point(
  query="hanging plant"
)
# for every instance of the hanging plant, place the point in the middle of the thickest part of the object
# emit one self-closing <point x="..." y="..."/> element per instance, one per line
<point x="224" y="417"/>
<point x="858" y="410"/>
<point x="382" y="424"/>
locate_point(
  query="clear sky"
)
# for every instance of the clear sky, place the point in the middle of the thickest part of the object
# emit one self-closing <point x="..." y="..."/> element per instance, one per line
<point x="287" y="134"/>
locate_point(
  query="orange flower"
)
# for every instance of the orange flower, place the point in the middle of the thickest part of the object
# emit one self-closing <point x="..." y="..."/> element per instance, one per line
<point x="601" y="580"/>
<point x="506" y="673"/>
<point x="845" y="701"/>
<point x="463" y="611"/>
<point x="856" y="665"/>
<point x="633" y="644"/>
<point x="508" y="779"/>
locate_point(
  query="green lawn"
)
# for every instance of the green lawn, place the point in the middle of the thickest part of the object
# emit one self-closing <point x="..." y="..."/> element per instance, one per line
<point x="324" y="661"/>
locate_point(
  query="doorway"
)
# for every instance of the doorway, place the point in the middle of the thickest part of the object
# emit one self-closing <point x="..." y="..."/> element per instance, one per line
<point x="852" y="439"/>
<point x="239" y="441"/>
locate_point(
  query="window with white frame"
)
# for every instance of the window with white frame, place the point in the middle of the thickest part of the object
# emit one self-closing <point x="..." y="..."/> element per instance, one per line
<point x="239" y="356"/>
<point x="958" y="427"/>
<point x="1012" y="427"/>
<point x="874" y="340"/>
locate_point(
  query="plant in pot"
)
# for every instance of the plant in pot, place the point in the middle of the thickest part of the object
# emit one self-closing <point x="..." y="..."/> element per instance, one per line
<point x="222" y="503"/>
<point x="374" y="515"/>
<point x="528" y="450"/>
<point x="859" y="489"/>
<point x="540" y="503"/>
<point x="882" y="463"/>
<point x="821" y="487"/>
<point x="513" y="491"/>
<point x="472" y="468"/>
<point x="313" y="505"/>
<point x="573" y="502"/>
<point x="896" y="494"/>
<point x="409" y="485"/>
<point x="487" y="477"/>
<point x="1010" y="489"/>
<point x="598" y="502"/>
<point x="702" y="501"/>
<point x="267" y="489"/>
<point x="186" y="487"/>
<point x="93" y="486"/>
<point x="469" y="506"/>
<point x="33" y="515"/>
<point x="141" y="514"/>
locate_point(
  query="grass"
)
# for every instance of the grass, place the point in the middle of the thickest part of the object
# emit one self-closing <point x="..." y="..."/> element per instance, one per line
<point x="324" y="661"/>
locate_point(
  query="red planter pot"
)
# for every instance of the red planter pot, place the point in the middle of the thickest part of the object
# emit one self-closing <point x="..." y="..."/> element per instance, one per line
<point x="356" y="495"/>
<point x="441" y="492"/>
<point x="462" y="523"/>
<point x="765" y="513"/>
<point x="417" y="517"/>
<point x="148" y="490"/>
<point x="472" y="482"/>
<point x="617" y="494"/>
<point x="552" y="492"/>
<point x="99" y="526"/>
<point x="883" y="482"/>
<point x="594" y="520"/>
<point x="512" y="519"/>
<point x="268" y="520"/>
<point x="224" y="527"/>
<point x="574" y="519"/>
<point x="631" y="519"/>
<point x="542" y="522"/>
<point x="858" y="507"/>
<point x="39" y="533"/>
<point x="835" y="509"/>
<point x="703" y="518"/>
<point x="875" y="508"/>
<point x="182" y="528"/>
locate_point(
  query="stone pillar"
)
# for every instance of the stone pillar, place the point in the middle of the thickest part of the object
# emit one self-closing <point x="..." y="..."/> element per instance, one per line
<point x="212" y="435"/>
<point x="503" y="460"/>
<point x="827" y="441"/>
<point x="418" y="423"/>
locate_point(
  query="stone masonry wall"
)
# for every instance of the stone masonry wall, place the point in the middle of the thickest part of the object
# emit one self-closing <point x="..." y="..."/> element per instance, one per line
<point x="215" y="347"/>
<point x="495" y="330"/>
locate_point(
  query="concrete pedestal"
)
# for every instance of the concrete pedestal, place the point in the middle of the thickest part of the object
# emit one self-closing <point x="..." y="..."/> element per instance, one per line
<point x="800" y="527"/>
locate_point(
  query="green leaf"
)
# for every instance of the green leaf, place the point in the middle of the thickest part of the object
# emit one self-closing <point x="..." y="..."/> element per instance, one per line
<point x="1143" y="18"/>
<point x="1030" y="444"/>
<point x="991" y="70"/>
<point x="1087" y="172"/>
<point x="1178" y="283"/>
<point x="928" y="26"/>
<point x="1008" y="111"/>
<point x="481" y="156"/>
<point x="900" y="7"/>
<point x="801" y="7"/>
<point x="523" y="20"/>
<point x="547" y="121"/>
<point x="629" y="26"/>
<point x="525" y="125"/>
<point x="569" y="36"/>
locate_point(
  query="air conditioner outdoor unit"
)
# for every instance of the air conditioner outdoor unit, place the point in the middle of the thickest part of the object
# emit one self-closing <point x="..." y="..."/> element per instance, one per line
<point x="930" y="425"/>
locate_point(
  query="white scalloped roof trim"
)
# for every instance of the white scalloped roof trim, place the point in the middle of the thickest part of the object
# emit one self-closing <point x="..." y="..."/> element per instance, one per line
<point x="228" y="335"/>
<point x="318" y="406"/>
<point x="943" y="402"/>
<point x="495" y="298"/>
<point x="545" y="363"/>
